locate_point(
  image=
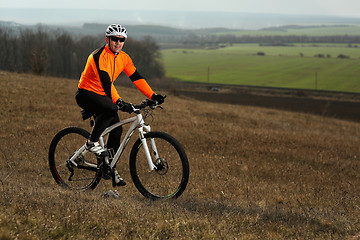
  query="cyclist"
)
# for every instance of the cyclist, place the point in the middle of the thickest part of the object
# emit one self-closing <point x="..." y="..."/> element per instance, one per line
<point x="96" y="92"/>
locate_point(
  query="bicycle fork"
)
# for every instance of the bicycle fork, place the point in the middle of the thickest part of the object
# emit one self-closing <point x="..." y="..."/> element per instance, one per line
<point x="146" y="148"/>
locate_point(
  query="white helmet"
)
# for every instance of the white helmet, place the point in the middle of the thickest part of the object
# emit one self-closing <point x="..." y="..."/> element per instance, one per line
<point x="115" y="30"/>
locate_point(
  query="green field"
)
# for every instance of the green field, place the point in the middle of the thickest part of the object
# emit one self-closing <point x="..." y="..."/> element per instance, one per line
<point x="289" y="67"/>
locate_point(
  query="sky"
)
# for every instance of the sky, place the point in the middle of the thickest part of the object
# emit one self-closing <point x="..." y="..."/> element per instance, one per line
<point x="342" y="8"/>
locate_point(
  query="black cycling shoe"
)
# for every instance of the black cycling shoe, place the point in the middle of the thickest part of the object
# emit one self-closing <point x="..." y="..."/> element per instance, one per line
<point x="117" y="180"/>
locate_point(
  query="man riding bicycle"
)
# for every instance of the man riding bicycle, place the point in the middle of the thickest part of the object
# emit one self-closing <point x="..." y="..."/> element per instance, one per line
<point x="97" y="93"/>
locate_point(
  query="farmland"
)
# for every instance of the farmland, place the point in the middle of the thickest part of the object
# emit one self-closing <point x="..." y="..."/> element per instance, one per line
<point x="255" y="173"/>
<point x="305" y="66"/>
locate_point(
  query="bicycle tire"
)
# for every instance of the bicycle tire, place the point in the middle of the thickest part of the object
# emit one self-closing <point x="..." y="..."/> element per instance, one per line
<point x="62" y="147"/>
<point x="170" y="180"/>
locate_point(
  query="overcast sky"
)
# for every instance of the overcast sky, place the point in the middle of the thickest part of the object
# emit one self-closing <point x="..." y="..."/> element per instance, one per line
<point x="346" y="8"/>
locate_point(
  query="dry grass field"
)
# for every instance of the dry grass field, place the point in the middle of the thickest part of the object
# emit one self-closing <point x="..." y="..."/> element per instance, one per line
<point x="255" y="173"/>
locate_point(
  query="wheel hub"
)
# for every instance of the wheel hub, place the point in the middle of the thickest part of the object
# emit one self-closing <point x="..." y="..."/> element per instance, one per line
<point x="162" y="166"/>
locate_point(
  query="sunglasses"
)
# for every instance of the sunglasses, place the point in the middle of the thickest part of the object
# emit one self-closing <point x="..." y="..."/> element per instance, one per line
<point x="116" y="39"/>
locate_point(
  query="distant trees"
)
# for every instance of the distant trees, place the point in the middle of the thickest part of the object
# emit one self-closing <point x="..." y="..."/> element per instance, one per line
<point x="270" y="40"/>
<point x="343" y="56"/>
<point x="59" y="54"/>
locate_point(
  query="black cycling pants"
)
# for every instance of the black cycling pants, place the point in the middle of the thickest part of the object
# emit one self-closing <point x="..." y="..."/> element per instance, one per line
<point x="106" y="115"/>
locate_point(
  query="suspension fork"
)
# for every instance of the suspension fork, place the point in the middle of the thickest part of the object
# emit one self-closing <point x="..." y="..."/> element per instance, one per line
<point x="146" y="148"/>
<point x="153" y="147"/>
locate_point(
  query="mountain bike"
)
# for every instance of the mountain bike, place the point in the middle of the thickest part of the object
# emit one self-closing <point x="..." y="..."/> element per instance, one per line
<point x="158" y="164"/>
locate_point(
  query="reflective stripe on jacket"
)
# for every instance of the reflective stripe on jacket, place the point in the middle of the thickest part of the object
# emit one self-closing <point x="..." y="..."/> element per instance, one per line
<point x="102" y="69"/>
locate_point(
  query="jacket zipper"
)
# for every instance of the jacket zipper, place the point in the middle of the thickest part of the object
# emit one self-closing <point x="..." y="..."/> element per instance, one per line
<point x="112" y="79"/>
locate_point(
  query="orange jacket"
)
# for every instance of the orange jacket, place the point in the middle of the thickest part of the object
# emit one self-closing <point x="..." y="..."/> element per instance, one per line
<point x="102" y="69"/>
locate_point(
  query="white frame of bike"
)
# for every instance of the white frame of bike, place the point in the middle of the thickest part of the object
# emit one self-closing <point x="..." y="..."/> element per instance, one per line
<point x="137" y="122"/>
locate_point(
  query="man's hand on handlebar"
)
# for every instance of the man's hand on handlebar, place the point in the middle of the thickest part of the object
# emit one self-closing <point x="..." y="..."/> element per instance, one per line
<point x="158" y="98"/>
<point x="124" y="106"/>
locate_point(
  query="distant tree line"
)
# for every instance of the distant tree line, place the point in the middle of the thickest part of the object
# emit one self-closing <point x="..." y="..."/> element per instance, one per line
<point x="57" y="53"/>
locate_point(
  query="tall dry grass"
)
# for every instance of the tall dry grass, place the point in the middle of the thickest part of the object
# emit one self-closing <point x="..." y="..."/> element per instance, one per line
<point x="255" y="173"/>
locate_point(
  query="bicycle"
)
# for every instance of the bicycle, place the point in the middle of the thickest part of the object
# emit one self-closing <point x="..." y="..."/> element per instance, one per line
<point x="158" y="163"/>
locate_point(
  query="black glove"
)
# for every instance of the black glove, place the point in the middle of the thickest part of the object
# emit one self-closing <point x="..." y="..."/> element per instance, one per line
<point x="159" y="98"/>
<point x="124" y="106"/>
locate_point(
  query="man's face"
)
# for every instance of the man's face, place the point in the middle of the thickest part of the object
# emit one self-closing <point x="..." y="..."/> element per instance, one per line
<point x="116" y="43"/>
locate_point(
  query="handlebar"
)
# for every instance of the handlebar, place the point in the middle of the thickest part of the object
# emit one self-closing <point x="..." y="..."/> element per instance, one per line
<point x="146" y="103"/>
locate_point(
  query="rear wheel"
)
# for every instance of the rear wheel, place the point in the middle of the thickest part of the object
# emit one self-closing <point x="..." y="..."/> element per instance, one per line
<point x="171" y="176"/>
<point x="63" y="146"/>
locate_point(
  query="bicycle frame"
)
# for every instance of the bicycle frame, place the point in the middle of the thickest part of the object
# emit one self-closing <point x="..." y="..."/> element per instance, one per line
<point x="137" y="122"/>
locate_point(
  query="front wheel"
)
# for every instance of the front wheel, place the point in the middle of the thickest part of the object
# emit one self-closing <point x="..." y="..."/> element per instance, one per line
<point x="171" y="175"/>
<point x="85" y="174"/>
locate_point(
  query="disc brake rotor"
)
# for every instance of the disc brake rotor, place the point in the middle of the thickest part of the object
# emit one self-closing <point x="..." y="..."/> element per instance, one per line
<point x="162" y="166"/>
